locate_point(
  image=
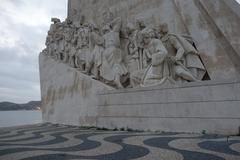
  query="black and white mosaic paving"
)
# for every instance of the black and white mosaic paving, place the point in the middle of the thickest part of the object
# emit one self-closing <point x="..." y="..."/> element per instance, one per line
<point x="60" y="142"/>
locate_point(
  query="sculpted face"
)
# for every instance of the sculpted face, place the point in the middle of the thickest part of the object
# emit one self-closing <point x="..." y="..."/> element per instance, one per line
<point x="164" y="28"/>
<point x="146" y="36"/>
<point x="146" y="40"/>
<point x="107" y="16"/>
<point x="140" y="24"/>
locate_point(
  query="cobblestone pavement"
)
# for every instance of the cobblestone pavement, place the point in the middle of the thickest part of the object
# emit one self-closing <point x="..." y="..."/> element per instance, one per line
<point x="60" y="142"/>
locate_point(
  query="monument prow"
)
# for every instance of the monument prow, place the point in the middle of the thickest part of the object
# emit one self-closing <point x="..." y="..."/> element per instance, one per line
<point x="144" y="65"/>
<point x="68" y="96"/>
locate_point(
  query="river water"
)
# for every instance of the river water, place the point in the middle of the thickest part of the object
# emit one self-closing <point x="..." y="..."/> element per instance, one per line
<point x="17" y="118"/>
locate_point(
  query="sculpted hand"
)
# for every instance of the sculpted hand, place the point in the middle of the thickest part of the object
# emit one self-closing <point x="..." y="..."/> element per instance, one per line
<point x="177" y="58"/>
<point x="172" y="59"/>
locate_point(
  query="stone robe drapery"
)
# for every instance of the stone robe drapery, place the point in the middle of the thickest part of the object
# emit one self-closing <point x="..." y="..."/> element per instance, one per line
<point x="96" y="49"/>
<point x="158" y="70"/>
<point x="112" y="61"/>
<point x="191" y="58"/>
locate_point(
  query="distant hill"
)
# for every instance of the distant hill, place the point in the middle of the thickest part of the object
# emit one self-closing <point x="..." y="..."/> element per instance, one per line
<point x="9" y="106"/>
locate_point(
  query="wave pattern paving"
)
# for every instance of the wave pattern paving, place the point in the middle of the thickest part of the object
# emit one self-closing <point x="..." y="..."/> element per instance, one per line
<point x="50" y="141"/>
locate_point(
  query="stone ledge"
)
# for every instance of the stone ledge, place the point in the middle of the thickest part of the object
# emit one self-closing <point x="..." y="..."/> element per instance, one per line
<point x="184" y="85"/>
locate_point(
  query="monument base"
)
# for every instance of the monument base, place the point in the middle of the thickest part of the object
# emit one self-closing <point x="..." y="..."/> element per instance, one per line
<point x="212" y="107"/>
<point x="70" y="97"/>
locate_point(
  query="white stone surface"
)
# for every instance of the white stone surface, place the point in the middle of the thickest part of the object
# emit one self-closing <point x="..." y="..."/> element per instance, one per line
<point x="209" y="106"/>
<point x="68" y="96"/>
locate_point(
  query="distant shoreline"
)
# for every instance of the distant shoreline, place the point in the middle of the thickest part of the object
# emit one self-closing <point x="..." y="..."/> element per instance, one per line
<point x="30" y="106"/>
<point x="21" y="110"/>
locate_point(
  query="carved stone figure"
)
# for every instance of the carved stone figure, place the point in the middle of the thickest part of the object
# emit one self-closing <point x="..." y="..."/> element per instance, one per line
<point x="59" y="40"/>
<point x="49" y="43"/>
<point x="53" y="27"/>
<point x="157" y="70"/>
<point x="140" y="24"/>
<point x="69" y="52"/>
<point x="112" y="67"/>
<point x="50" y="40"/>
<point x="154" y="56"/>
<point x="82" y="46"/>
<point x="96" y="48"/>
<point x="132" y="49"/>
<point x="139" y="56"/>
<point x="188" y="66"/>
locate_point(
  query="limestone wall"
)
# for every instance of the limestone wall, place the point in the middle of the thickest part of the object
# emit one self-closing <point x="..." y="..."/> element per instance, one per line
<point x="68" y="96"/>
<point x="210" y="106"/>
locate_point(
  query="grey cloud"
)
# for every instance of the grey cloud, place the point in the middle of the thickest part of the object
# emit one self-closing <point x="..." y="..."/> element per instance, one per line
<point x="19" y="72"/>
<point x="17" y="2"/>
<point x="10" y="82"/>
<point x="19" y="77"/>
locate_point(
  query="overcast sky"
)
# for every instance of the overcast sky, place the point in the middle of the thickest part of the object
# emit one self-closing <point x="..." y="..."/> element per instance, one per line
<point x="23" y="29"/>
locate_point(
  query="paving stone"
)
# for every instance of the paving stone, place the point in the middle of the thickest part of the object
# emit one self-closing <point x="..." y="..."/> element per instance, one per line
<point x="61" y="142"/>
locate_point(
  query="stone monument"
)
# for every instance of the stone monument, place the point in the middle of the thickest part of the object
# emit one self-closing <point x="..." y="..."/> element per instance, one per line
<point x="160" y="65"/>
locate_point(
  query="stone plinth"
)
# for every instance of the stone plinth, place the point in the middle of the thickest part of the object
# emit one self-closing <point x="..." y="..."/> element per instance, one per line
<point x="208" y="106"/>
